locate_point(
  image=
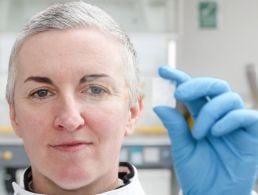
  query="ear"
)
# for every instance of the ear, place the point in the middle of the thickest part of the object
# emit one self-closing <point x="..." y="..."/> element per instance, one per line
<point x="14" y="123"/>
<point x="134" y="114"/>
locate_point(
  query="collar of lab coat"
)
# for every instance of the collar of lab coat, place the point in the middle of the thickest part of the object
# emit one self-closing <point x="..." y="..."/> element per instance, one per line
<point x="134" y="187"/>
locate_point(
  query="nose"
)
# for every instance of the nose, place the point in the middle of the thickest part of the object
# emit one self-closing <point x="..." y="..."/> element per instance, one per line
<point x="68" y="116"/>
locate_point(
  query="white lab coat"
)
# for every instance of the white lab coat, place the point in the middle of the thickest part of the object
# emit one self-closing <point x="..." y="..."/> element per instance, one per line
<point x="133" y="188"/>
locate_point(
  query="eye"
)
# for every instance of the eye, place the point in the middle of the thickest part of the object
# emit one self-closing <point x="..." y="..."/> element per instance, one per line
<point x="96" y="90"/>
<point x="41" y="93"/>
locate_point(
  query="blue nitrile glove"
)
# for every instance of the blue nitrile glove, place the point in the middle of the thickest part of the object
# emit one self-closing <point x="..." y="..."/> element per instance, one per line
<point x="219" y="155"/>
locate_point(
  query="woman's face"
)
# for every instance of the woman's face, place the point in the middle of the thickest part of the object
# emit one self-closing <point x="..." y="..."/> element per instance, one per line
<point x="71" y="108"/>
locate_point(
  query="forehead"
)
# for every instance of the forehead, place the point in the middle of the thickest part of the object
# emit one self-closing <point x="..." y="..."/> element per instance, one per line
<point x="70" y="50"/>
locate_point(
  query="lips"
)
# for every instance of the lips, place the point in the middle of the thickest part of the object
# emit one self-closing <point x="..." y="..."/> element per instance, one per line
<point x="71" y="146"/>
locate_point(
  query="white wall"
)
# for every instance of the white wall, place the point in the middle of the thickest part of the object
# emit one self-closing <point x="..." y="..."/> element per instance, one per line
<point x="222" y="52"/>
<point x="6" y="42"/>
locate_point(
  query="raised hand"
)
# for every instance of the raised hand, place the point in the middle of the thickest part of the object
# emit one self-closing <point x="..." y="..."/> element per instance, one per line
<point x="219" y="155"/>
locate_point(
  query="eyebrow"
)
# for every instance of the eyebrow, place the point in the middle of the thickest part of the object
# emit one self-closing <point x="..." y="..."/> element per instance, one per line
<point x="85" y="78"/>
<point x="92" y="77"/>
<point x="39" y="79"/>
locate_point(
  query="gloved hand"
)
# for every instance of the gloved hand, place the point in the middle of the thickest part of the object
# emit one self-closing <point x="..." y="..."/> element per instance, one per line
<point x="219" y="155"/>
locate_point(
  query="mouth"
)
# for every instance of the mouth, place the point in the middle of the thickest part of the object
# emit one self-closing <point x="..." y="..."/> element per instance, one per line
<point x="71" y="146"/>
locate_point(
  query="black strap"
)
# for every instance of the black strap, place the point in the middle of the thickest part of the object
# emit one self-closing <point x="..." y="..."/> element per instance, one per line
<point x="27" y="178"/>
<point x="126" y="176"/>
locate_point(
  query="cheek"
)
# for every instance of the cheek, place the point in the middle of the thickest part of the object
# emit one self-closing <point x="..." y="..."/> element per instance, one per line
<point x="108" y="122"/>
<point x="31" y="130"/>
<point x="32" y="122"/>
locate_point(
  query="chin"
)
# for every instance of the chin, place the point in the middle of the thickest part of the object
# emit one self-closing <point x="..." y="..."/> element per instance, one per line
<point x="71" y="185"/>
<point x="72" y="181"/>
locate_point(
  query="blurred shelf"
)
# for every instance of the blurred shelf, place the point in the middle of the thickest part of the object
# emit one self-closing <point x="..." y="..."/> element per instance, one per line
<point x="151" y="131"/>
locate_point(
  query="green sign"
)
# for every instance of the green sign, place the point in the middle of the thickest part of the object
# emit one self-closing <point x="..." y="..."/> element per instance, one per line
<point x="208" y="11"/>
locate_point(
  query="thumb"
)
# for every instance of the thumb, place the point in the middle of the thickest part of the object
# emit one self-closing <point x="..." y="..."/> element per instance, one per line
<point x="176" y="125"/>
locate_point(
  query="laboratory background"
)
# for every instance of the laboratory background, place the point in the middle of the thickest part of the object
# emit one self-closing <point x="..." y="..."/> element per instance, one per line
<point x="202" y="37"/>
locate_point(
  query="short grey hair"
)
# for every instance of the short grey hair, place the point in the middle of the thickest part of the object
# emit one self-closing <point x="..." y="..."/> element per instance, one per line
<point x="74" y="15"/>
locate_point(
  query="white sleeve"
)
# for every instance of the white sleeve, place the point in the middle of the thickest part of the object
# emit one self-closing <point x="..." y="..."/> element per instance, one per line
<point x="253" y="193"/>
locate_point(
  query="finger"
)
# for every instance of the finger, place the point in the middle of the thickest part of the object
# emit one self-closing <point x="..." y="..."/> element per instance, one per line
<point x="196" y="92"/>
<point x="174" y="75"/>
<point x="237" y="119"/>
<point x="213" y="111"/>
<point x="176" y="125"/>
<point x="201" y="87"/>
<point x="180" y="77"/>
